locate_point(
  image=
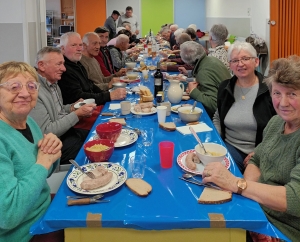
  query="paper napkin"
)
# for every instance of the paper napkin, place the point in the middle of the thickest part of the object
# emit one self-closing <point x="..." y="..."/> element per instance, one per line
<point x="114" y="106"/>
<point x="202" y="127"/>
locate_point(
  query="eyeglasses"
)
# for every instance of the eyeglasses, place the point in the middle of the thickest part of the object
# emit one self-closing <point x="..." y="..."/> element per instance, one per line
<point x="16" y="86"/>
<point x="243" y="60"/>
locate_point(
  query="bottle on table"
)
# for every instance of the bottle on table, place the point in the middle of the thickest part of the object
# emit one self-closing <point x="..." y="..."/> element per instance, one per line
<point x="158" y="80"/>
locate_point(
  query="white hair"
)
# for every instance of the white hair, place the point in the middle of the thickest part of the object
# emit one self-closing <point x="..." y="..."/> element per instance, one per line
<point x="178" y="32"/>
<point x="193" y="26"/>
<point x="65" y="38"/>
<point x="86" y="37"/>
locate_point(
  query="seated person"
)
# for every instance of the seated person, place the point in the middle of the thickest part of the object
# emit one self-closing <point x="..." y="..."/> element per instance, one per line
<point x="27" y="156"/>
<point x="91" y="46"/>
<point x="208" y="72"/>
<point x="272" y="177"/>
<point x="177" y="58"/>
<point x="50" y="113"/>
<point x="74" y="83"/>
<point x="118" y="57"/>
<point x="169" y="36"/>
<point x="104" y="58"/>
<point x="192" y="33"/>
<point x="217" y="37"/>
<point x="244" y="96"/>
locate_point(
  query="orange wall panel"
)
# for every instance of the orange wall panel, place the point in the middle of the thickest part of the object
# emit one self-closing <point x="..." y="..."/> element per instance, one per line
<point x="89" y="15"/>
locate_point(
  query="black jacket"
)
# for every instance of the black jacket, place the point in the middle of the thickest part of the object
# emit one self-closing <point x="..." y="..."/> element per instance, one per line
<point x="263" y="108"/>
<point x="74" y="84"/>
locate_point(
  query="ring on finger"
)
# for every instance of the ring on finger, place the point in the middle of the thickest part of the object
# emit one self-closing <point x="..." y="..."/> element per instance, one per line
<point x="207" y="174"/>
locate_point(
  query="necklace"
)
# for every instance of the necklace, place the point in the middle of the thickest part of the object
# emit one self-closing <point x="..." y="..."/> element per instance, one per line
<point x="244" y="94"/>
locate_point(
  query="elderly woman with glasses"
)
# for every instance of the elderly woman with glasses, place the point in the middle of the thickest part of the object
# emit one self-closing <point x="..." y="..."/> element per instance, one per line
<point x="272" y="177"/>
<point x="244" y="105"/>
<point x="27" y="156"/>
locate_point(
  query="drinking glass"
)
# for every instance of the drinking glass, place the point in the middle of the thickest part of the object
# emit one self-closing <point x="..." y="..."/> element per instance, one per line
<point x="147" y="136"/>
<point x="138" y="164"/>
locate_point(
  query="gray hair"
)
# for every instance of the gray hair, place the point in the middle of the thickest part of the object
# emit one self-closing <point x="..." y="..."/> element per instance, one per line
<point x="285" y="71"/>
<point x="65" y="38"/>
<point x="121" y="38"/>
<point x="191" y="51"/>
<point x="45" y="50"/>
<point x="238" y="46"/>
<point x="175" y="26"/>
<point x="218" y="33"/>
<point x="193" y="26"/>
<point x="126" y="25"/>
<point x="184" y="37"/>
<point x="165" y="29"/>
<point x="178" y="32"/>
<point x="86" y="37"/>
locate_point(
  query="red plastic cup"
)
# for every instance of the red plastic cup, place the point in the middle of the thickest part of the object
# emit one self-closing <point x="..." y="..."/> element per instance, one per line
<point x="166" y="153"/>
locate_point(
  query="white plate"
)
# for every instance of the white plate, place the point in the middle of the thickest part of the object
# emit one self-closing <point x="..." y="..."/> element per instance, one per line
<point x="125" y="79"/>
<point x="127" y="137"/>
<point x="200" y="167"/>
<point x="174" y="108"/>
<point x="153" y="111"/>
<point x="75" y="178"/>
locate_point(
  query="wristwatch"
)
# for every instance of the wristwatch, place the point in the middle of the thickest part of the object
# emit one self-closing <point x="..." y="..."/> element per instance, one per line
<point x="242" y="185"/>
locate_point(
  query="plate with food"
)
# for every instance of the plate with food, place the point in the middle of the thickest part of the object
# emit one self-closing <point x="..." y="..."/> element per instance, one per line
<point x="127" y="137"/>
<point x="189" y="162"/>
<point x="110" y="176"/>
<point x="170" y="63"/>
<point x="129" y="79"/>
<point x="145" y="111"/>
<point x="175" y="107"/>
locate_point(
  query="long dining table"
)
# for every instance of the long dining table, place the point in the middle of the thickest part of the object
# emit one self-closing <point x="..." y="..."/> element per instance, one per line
<point x="171" y="211"/>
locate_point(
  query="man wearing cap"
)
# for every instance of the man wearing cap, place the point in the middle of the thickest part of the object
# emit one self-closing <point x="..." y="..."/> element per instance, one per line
<point x="110" y="23"/>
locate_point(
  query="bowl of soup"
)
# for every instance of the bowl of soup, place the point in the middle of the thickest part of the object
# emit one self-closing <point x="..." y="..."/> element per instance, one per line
<point x="130" y="65"/>
<point x="99" y="150"/>
<point x="132" y="76"/>
<point x="215" y="153"/>
<point x="186" y="115"/>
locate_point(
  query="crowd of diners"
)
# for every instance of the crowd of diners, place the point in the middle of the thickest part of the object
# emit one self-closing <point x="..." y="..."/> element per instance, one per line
<point x="257" y="117"/>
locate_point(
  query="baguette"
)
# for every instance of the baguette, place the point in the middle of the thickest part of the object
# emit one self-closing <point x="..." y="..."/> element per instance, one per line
<point x="139" y="186"/>
<point x="118" y="120"/>
<point x="214" y="196"/>
<point x="169" y="126"/>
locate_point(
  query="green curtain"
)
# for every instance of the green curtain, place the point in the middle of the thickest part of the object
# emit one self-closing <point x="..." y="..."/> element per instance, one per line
<point x="155" y="13"/>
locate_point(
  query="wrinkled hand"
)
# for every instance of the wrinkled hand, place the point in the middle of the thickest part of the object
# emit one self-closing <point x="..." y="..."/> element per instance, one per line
<point x="50" y="144"/>
<point x="191" y="86"/>
<point x="86" y="110"/>
<point x="182" y="70"/>
<point x="121" y="72"/>
<point x="118" y="94"/>
<point x="216" y="173"/>
<point x="246" y="160"/>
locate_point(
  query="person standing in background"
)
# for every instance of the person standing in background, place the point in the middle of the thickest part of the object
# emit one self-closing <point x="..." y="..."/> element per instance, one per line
<point x="132" y="19"/>
<point x="110" y="23"/>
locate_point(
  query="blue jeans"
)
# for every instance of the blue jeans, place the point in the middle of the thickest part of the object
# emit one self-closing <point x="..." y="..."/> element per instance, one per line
<point x="237" y="155"/>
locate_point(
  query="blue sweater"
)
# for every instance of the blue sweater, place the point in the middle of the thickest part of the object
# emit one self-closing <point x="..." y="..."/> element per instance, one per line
<point x="25" y="194"/>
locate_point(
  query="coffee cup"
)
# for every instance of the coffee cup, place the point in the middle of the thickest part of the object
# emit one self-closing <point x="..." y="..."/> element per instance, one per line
<point x="125" y="107"/>
<point x="168" y="105"/>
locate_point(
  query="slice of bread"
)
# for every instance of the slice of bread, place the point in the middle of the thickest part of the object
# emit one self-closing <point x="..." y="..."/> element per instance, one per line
<point x="214" y="196"/>
<point x="169" y="126"/>
<point x="118" y="120"/>
<point x="185" y="98"/>
<point x="139" y="186"/>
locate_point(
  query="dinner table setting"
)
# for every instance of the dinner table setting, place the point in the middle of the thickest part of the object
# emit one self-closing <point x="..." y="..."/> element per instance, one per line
<point x="151" y="173"/>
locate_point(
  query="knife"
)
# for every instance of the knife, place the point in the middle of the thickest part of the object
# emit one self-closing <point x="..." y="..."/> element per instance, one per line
<point x="107" y="114"/>
<point x="85" y="201"/>
<point x="201" y="184"/>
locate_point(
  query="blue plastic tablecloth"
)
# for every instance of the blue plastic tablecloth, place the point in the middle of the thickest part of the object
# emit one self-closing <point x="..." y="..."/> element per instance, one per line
<point x="172" y="204"/>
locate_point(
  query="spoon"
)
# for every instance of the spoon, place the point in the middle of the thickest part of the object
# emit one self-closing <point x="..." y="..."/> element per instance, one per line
<point x="194" y="105"/>
<point x="199" y="141"/>
<point x="188" y="176"/>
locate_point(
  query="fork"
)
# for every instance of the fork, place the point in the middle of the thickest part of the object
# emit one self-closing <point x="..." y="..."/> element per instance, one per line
<point x="88" y="173"/>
